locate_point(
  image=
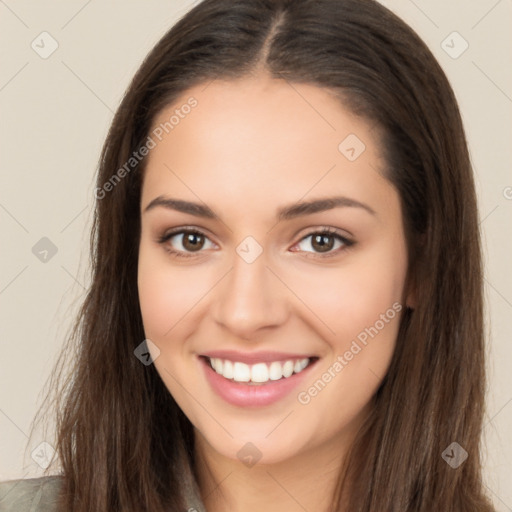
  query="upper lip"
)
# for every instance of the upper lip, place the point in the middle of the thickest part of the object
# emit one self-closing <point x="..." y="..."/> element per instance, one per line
<point x="254" y="357"/>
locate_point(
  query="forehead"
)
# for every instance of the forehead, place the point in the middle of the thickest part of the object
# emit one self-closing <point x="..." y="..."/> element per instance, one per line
<point x="262" y="137"/>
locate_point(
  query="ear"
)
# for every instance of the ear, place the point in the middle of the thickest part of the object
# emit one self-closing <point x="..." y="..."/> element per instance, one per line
<point x="410" y="300"/>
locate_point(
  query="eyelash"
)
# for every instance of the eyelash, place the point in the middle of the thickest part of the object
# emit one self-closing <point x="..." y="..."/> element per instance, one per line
<point x="322" y="231"/>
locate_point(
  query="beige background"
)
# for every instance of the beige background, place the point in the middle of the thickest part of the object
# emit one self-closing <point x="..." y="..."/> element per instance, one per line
<point x="55" y="113"/>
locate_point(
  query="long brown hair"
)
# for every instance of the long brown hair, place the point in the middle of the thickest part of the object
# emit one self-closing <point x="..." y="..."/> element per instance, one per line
<point x="120" y="434"/>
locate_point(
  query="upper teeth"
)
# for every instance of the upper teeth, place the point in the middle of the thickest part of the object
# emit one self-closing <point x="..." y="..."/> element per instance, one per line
<point x="260" y="372"/>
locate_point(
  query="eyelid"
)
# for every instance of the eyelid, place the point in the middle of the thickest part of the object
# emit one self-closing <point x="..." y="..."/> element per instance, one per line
<point x="313" y="230"/>
<point x="347" y="242"/>
<point x="319" y="230"/>
<point x="182" y="230"/>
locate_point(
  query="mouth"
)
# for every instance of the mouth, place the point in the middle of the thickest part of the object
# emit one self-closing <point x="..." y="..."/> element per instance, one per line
<point x="258" y="373"/>
<point x="257" y="380"/>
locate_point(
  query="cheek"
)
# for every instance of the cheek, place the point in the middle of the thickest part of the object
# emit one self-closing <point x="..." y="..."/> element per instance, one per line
<point x="360" y="303"/>
<point x="354" y="296"/>
<point x="167" y="298"/>
<point x="158" y="301"/>
<point x="167" y="295"/>
<point x="366" y="322"/>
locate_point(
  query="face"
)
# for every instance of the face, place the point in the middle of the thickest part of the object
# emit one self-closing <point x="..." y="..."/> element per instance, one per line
<point x="272" y="265"/>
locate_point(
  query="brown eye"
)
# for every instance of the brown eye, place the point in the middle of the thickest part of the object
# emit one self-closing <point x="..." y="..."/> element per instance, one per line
<point x="325" y="242"/>
<point x="193" y="241"/>
<point x="322" y="242"/>
<point x="185" y="242"/>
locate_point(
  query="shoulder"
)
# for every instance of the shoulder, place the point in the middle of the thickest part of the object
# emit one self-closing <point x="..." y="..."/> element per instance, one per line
<point x="30" y="495"/>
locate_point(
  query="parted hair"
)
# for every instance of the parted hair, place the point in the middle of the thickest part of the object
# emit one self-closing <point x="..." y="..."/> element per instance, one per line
<point x="121" y="437"/>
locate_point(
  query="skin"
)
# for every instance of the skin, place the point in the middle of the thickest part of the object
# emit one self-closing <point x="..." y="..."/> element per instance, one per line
<point x="250" y="147"/>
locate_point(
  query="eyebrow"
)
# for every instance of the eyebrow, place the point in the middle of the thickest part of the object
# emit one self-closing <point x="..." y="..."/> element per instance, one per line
<point x="287" y="212"/>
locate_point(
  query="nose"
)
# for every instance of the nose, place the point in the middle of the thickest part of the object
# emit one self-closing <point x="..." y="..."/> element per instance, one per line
<point x="250" y="299"/>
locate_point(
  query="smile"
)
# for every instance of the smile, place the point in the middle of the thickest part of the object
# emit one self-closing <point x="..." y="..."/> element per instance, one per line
<point x="254" y="379"/>
<point x="258" y="373"/>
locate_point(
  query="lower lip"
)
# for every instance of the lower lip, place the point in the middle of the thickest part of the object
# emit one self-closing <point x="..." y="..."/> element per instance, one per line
<point x="252" y="395"/>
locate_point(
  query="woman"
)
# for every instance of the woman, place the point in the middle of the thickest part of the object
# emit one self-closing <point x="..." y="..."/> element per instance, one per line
<point x="286" y="305"/>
